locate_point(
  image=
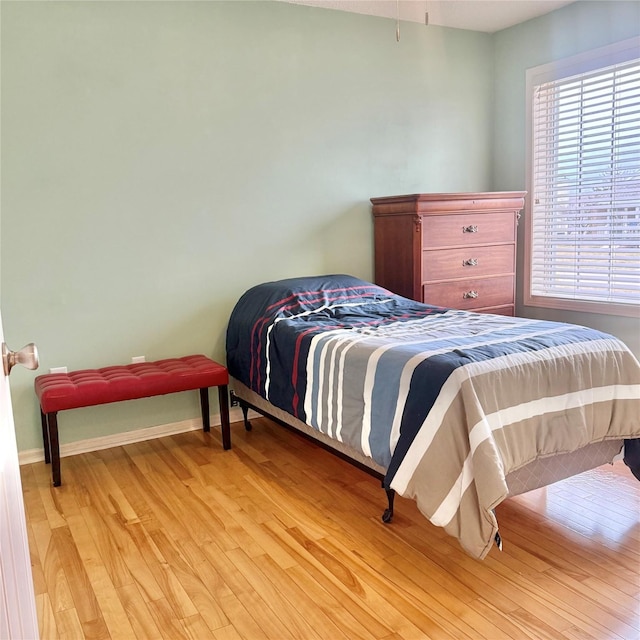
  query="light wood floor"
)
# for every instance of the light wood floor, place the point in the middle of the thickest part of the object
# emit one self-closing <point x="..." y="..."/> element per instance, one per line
<point x="278" y="539"/>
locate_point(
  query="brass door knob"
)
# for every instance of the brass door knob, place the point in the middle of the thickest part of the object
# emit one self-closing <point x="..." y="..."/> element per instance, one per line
<point x="27" y="357"/>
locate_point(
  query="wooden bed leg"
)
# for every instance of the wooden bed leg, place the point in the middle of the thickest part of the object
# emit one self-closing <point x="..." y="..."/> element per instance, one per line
<point x="245" y="414"/>
<point x="387" y="516"/>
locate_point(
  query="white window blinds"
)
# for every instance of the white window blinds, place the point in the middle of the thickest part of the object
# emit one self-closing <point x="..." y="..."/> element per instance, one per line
<point x="585" y="186"/>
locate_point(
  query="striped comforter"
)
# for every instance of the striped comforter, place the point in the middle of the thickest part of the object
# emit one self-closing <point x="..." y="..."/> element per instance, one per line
<point x="449" y="402"/>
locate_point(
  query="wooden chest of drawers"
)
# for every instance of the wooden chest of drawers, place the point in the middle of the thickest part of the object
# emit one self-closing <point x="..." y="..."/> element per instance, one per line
<point x="453" y="250"/>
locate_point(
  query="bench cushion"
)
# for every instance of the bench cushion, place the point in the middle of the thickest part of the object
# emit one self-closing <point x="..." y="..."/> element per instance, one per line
<point x="88" y="387"/>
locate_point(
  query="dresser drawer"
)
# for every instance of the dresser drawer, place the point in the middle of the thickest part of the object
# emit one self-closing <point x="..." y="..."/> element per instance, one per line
<point x="469" y="294"/>
<point x="468" y="262"/>
<point x="467" y="229"/>
<point x="500" y="311"/>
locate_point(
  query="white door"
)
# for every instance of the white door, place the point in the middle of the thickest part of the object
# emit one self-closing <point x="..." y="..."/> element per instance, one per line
<point x="18" y="619"/>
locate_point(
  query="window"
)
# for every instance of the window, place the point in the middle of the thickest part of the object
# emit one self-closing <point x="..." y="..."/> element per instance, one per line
<point x="583" y="222"/>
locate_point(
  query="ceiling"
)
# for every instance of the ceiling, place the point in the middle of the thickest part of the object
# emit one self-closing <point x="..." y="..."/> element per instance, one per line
<point x="477" y="15"/>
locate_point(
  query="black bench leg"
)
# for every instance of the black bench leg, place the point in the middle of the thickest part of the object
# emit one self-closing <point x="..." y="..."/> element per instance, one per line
<point x="204" y="405"/>
<point x="45" y="437"/>
<point x="223" y="397"/>
<point x="52" y="420"/>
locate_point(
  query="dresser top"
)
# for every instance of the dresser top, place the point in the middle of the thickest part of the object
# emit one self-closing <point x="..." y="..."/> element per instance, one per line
<point x="449" y="202"/>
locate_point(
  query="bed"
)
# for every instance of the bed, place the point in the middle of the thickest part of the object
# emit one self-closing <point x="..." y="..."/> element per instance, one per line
<point x="453" y="409"/>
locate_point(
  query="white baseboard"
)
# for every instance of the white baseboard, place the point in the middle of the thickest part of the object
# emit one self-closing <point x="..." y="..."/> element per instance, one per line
<point x="129" y="437"/>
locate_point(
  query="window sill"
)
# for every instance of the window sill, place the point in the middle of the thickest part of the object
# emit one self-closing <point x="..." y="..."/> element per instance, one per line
<point x="609" y="309"/>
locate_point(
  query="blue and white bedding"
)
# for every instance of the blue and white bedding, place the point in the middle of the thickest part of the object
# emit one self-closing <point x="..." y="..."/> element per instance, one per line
<point x="448" y="401"/>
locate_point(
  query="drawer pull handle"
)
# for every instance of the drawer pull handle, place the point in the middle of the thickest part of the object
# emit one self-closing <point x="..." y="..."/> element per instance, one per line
<point x="470" y="294"/>
<point x="471" y="262"/>
<point x="472" y="228"/>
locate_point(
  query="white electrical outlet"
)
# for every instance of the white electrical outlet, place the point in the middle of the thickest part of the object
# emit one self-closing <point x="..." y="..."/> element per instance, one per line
<point x="137" y="359"/>
<point x="58" y="370"/>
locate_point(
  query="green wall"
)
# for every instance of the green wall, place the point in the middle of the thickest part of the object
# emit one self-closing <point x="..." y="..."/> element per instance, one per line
<point x="576" y="28"/>
<point x="159" y="158"/>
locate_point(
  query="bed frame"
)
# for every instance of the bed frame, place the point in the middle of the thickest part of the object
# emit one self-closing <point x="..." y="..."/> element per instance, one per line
<point x="538" y="473"/>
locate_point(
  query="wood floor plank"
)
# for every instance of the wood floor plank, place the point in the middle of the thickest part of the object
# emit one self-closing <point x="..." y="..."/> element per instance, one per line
<point x="209" y="572"/>
<point x="573" y="633"/>
<point x="131" y="555"/>
<point x="290" y="614"/>
<point x="206" y="571"/>
<point x="291" y="508"/>
<point x="333" y="608"/>
<point x="276" y="539"/>
<point x="430" y="590"/>
<point x="167" y="506"/>
<point x="107" y="495"/>
<point x="196" y="628"/>
<point x="227" y="633"/>
<point x="574" y="553"/>
<point x="166" y="620"/>
<point x="37" y="573"/>
<point x="244" y="623"/>
<point x="366" y="588"/>
<point x="124" y="468"/>
<point x="592" y="590"/>
<point x="140" y="618"/>
<point x="30" y="490"/>
<point x="46" y="618"/>
<point x="113" y="606"/>
<point x="57" y="585"/>
<point x="245" y="592"/>
<point x="442" y="609"/>
<point x="161" y="574"/>
<point x="80" y="587"/>
<point x="537" y="626"/>
<point x="107" y="547"/>
<point x="505" y="622"/>
<point x="263" y="540"/>
<point x="627" y="601"/>
<point x="50" y="500"/>
<point x="68" y="625"/>
<point x="197" y="591"/>
<point x="367" y="618"/>
<point x="584" y="613"/>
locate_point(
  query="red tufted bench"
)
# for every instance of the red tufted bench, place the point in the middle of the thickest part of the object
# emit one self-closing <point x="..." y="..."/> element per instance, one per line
<point x="89" y="387"/>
